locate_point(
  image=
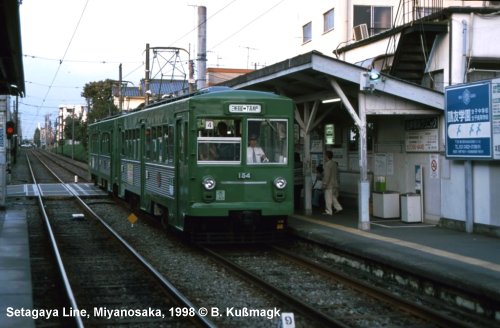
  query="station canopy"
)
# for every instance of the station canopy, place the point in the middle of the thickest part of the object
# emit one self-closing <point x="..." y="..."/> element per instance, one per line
<point x="11" y="63"/>
<point x="308" y="77"/>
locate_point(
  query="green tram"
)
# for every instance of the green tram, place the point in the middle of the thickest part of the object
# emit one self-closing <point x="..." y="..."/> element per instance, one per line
<point x="217" y="165"/>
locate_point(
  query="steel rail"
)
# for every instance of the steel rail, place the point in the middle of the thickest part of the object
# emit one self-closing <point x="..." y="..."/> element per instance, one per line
<point x="376" y="292"/>
<point x="300" y="306"/>
<point x="179" y="296"/>
<point x="57" y="254"/>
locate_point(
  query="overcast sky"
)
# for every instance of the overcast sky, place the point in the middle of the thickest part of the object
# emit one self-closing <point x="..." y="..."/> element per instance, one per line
<point x="68" y="43"/>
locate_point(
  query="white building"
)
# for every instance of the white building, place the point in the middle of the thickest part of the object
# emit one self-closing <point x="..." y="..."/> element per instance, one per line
<point x="451" y="45"/>
<point x="417" y="45"/>
<point x="78" y="112"/>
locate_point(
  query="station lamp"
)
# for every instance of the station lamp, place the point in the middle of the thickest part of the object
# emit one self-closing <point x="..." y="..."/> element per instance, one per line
<point x="369" y="79"/>
<point x="374" y="75"/>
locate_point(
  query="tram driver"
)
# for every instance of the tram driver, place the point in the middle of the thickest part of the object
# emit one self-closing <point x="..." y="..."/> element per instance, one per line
<point x="255" y="154"/>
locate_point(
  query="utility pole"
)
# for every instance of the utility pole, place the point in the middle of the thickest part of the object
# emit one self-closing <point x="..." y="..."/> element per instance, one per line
<point x="202" y="48"/>
<point x="73" y="133"/>
<point x="146" y="77"/>
<point x="120" y="95"/>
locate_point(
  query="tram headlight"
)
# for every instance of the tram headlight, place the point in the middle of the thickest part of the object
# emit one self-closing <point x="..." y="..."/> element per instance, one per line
<point x="208" y="183"/>
<point x="280" y="183"/>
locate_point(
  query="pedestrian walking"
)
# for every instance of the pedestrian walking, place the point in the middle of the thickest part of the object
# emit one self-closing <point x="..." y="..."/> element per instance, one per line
<point x="331" y="184"/>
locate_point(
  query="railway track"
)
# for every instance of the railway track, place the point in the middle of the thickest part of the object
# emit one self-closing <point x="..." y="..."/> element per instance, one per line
<point x="311" y="293"/>
<point x="326" y="295"/>
<point x="68" y="170"/>
<point x="91" y="258"/>
<point x="222" y="294"/>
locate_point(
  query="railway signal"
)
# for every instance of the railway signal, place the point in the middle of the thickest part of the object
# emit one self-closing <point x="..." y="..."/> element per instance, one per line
<point x="10" y="129"/>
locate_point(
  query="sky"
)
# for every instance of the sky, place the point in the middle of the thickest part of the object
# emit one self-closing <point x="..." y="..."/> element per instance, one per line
<point x="67" y="44"/>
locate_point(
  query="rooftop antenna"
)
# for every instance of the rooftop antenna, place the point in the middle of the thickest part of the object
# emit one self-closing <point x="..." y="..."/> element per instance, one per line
<point x="248" y="54"/>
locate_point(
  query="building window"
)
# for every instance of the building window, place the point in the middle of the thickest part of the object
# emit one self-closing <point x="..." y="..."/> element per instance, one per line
<point x="354" y="137"/>
<point x="377" y="19"/>
<point x="307" y="32"/>
<point x="328" y="21"/>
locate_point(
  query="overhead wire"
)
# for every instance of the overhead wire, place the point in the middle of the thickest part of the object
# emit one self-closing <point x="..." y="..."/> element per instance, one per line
<point x="64" y="60"/>
<point x="65" y="52"/>
<point x="208" y="18"/>
<point x="248" y="24"/>
<point x="79" y="61"/>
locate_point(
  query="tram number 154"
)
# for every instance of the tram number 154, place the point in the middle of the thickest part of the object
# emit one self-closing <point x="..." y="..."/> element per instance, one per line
<point x="244" y="175"/>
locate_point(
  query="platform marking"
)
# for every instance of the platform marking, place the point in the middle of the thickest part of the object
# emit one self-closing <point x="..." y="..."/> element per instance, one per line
<point x="418" y="247"/>
<point x="401" y="226"/>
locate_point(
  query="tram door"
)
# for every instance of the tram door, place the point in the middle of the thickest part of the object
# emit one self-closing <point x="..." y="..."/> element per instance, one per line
<point x="181" y="167"/>
<point x="117" y="151"/>
<point x="142" y="143"/>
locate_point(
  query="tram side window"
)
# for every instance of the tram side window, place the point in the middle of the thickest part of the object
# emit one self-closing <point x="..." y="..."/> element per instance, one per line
<point x="105" y="143"/>
<point x="268" y="140"/>
<point x="132" y="143"/>
<point x="94" y="143"/>
<point x="153" y="143"/>
<point x="168" y="144"/>
<point x="147" y="145"/>
<point x="128" y="144"/>
<point x="124" y="144"/>
<point x="128" y="137"/>
<point x="136" y="144"/>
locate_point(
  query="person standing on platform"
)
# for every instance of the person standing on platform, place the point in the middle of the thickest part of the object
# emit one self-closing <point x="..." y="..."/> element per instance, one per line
<point x="318" y="196"/>
<point x="298" y="181"/>
<point x="331" y="184"/>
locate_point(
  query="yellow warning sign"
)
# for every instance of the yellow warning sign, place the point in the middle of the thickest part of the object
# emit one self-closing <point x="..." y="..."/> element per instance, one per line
<point x="132" y="218"/>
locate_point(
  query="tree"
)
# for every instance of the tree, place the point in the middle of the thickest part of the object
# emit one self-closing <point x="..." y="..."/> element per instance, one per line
<point x="36" y="137"/>
<point x="78" y="128"/>
<point x="99" y="100"/>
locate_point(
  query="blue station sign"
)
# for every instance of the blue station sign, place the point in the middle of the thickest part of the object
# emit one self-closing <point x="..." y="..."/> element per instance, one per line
<point x="468" y="121"/>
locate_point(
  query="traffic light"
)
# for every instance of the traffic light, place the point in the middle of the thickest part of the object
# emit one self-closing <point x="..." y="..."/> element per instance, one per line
<point x="10" y="129"/>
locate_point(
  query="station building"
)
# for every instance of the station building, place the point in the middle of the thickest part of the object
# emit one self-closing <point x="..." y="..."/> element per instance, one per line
<point x="11" y="85"/>
<point x="376" y="98"/>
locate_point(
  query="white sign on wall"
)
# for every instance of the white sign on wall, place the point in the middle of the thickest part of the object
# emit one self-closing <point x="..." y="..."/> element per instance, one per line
<point x="422" y="140"/>
<point x="434" y="166"/>
<point x="384" y="164"/>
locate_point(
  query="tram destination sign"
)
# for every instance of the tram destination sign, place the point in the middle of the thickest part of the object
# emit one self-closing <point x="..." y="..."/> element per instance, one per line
<point x="472" y="123"/>
<point x="245" y="108"/>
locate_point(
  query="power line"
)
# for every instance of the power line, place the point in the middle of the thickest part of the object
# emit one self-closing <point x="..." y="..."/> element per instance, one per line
<point x="248" y="24"/>
<point x="79" y="61"/>
<point x="65" y="52"/>
<point x="53" y="86"/>
<point x="208" y="18"/>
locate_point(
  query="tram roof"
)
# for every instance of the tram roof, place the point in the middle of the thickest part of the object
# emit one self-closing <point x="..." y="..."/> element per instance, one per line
<point x="307" y="78"/>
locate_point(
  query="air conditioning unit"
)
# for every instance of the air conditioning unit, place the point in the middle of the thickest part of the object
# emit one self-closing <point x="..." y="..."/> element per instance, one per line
<point x="360" y="32"/>
<point x="494" y="4"/>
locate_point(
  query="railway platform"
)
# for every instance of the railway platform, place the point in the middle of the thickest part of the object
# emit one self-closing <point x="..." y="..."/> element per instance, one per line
<point x="470" y="262"/>
<point x="15" y="272"/>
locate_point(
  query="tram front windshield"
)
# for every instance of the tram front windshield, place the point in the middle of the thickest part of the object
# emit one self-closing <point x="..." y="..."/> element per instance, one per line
<point x="220" y="141"/>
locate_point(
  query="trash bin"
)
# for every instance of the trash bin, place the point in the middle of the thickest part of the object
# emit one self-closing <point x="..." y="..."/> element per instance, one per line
<point x="386" y="204"/>
<point x="410" y="208"/>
